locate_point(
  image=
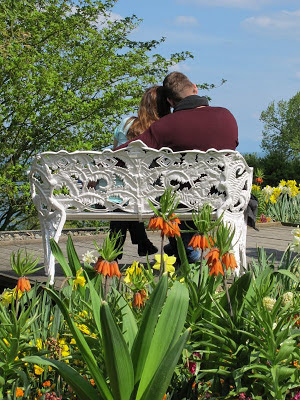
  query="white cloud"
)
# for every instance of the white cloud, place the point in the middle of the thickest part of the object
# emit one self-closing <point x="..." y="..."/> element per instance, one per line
<point x="252" y="4"/>
<point x="184" y="68"/>
<point x="281" y="22"/>
<point x="186" y="20"/>
<point x="102" y="20"/>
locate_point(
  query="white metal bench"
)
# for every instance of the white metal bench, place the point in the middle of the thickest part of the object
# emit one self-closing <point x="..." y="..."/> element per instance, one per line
<point x="127" y="178"/>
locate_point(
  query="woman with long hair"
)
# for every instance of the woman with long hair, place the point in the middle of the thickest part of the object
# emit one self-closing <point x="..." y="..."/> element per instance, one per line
<point x="153" y="106"/>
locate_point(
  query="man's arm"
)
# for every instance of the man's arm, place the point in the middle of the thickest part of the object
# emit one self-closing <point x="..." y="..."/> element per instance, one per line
<point x="146" y="137"/>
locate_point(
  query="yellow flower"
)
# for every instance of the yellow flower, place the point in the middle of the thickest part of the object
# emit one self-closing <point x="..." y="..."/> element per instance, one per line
<point x="6" y="297"/>
<point x="256" y="187"/>
<point x="131" y="271"/>
<point x="282" y="182"/>
<point x="38" y="370"/>
<point x="168" y="262"/>
<point x="39" y="344"/>
<point x="73" y="341"/>
<point x="6" y="342"/>
<point x="83" y="328"/>
<point x="79" y="280"/>
<point x="273" y="199"/>
<point x="269" y="303"/>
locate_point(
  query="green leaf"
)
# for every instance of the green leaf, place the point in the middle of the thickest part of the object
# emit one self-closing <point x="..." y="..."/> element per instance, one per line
<point x="130" y="327"/>
<point x="117" y="358"/>
<point x="58" y="254"/>
<point x="287" y="273"/>
<point x="14" y="346"/>
<point x="95" y="303"/>
<point x="161" y="379"/>
<point x="83" y="389"/>
<point x="84" y="348"/>
<point x="73" y="258"/>
<point x="167" y="331"/>
<point x="144" y="336"/>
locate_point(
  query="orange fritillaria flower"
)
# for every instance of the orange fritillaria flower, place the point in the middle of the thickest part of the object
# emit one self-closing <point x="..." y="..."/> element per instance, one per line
<point x="105" y="268"/>
<point x="23" y="284"/>
<point x="169" y="228"/>
<point x="229" y="261"/>
<point x="139" y="298"/>
<point x="199" y="242"/>
<point x="259" y="180"/>
<point x="214" y="262"/>
<point x="19" y="392"/>
<point x="47" y="384"/>
<point x="216" y="268"/>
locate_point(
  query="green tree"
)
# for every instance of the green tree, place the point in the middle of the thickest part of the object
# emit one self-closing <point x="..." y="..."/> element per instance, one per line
<point x="68" y="73"/>
<point x="281" y="132"/>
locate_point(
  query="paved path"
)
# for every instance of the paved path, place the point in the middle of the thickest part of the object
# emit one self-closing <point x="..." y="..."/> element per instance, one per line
<point x="274" y="238"/>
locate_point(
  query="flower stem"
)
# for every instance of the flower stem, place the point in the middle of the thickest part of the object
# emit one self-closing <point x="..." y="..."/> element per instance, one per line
<point x="105" y="287"/>
<point x="162" y="264"/>
<point x="200" y="269"/>
<point x="228" y="297"/>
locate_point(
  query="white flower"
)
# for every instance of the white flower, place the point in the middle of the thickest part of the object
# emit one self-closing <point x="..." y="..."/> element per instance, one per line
<point x="287" y="298"/>
<point x="268" y="190"/>
<point x="89" y="257"/>
<point x="295" y="246"/>
<point x="268" y="303"/>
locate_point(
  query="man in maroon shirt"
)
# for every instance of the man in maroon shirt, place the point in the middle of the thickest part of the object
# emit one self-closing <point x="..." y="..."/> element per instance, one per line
<point x="192" y="125"/>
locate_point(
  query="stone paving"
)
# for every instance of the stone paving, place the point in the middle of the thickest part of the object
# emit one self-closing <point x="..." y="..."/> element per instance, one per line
<point x="273" y="237"/>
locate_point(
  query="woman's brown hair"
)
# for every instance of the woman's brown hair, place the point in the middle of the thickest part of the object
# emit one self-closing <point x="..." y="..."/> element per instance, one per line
<point x="153" y="106"/>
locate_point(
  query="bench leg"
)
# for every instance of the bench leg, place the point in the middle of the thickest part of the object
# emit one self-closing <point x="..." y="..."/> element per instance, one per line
<point x="51" y="227"/>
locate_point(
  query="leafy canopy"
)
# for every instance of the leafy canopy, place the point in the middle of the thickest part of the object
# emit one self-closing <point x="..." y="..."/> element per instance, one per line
<point x="281" y="132"/>
<point x="68" y="73"/>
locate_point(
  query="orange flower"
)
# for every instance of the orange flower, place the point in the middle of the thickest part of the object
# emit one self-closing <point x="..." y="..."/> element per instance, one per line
<point x="200" y="242"/>
<point x="229" y="261"/>
<point x="214" y="262"/>
<point x="92" y="382"/>
<point x="169" y="228"/>
<point x="164" y="398"/>
<point x="23" y="284"/>
<point x="259" y="180"/>
<point x="156" y="223"/>
<point x="107" y="268"/>
<point x="47" y="384"/>
<point x="139" y="298"/>
<point x="216" y="267"/>
<point x="19" y="392"/>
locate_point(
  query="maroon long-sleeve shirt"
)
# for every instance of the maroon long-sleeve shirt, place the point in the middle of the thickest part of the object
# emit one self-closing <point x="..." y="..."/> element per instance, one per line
<point x="197" y="128"/>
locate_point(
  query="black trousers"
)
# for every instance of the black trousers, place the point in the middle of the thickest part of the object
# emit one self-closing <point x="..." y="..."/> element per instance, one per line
<point x="136" y="229"/>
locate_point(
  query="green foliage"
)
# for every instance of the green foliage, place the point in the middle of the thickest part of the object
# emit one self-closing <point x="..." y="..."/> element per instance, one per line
<point x="68" y="74"/>
<point x="281" y="132"/>
<point x="276" y="166"/>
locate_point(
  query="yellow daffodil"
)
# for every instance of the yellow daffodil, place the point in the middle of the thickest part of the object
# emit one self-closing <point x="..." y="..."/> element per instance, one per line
<point x="168" y="262"/>
<point x="282" y="182"/>
<point x="38" y="370"/>
<point x="135" y="269"/>
<point x="83" y="328"/>
<point x="79" y="280"/>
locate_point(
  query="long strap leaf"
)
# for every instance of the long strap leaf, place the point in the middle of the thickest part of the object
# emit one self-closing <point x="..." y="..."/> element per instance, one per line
<point x="144" y="336"/>
<point x="58" y="254"/>
<point x="84" y="349"/>
<point x="167" y="331"/>
<point x="117" y="358"/>
<point x="160" y="381"/>
<point x="83" y="389"/>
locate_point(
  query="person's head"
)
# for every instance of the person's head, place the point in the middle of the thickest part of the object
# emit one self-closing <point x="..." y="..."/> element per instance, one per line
<point x="153" y="106"/>
<point x="177" y="86"/>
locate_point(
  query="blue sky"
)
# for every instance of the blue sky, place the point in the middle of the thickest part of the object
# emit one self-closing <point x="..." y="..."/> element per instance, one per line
<point x="253" y="44"/>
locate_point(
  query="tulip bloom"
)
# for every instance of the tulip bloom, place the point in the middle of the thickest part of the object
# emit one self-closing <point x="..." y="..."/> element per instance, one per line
<point x="23" y="284"/>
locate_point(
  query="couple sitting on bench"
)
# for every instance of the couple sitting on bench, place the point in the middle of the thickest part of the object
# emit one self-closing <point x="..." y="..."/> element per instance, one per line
<point x="193" y="125"/>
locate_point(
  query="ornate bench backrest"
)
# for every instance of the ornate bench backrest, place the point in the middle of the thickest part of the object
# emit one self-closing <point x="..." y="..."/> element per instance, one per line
<point x="102" y="182"/>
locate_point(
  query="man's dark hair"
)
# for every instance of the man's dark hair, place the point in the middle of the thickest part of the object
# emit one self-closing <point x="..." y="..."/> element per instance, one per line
<point x="175" y="84"/>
